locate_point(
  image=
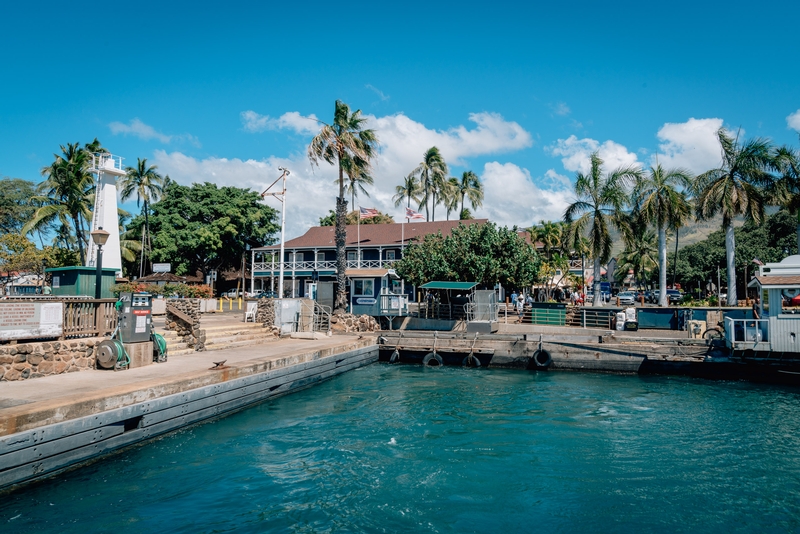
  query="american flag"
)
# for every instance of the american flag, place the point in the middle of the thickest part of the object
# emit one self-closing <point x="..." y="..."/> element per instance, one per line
<point x="413" y="215"/>
<point x="757" y="261"/>
<point x="367" y="213"/>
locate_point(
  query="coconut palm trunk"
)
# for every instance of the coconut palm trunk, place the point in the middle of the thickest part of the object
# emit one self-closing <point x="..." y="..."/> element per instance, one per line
<point x="730" y="260"/>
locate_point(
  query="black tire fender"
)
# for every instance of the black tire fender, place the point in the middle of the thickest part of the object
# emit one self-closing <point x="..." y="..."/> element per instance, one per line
<point x="541" y="359"/>
<point x="432" y="360"/>
<point x="395" y="357"/>
<point x="471" y="361"/>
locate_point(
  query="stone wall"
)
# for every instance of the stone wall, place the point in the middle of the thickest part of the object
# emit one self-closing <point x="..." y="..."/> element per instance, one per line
<point x="265" y="314"/>
<point x="189" y="332"/>
<point x="348" y="322"/>
<point x="34" y="360"/>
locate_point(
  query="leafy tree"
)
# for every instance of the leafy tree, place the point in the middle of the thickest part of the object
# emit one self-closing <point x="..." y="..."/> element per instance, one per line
<point x="740" y="186"/>
<point x="345" y="139"/>
<point x="16" y="205"/>
<point x="353" y="218"/>
<point x="358" y="175"/>
<point x="788" y="188"/>
<point x="600" y="200"/>
<point x="19" y="255"/>
<point x="481" y="253"/>
<point x="549" y="234"/>
<point x="660" y="195"/>
<point x="641" y="251"/>
<point x="432" y="171"/>
<point x="470" y="187"/>
<point x="206" y="227"/>
<point x="65" y="196"/>
<point x="449" y="195"/>
<point x="146" y="184"/>
<point x="410" y="190"/>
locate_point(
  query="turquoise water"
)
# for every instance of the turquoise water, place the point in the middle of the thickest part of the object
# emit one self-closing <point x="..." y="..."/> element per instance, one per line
<point x="406" y="448"/>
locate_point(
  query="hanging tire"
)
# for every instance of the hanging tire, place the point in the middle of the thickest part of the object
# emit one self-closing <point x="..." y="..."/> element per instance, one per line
<point x="432" y="360"/>
<point x="395" y="357"/>
<point x="540" y="360"/>
<point x="471" y="361"/>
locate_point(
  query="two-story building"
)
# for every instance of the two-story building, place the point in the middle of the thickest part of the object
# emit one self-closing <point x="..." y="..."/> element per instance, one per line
<point x="371" y="251"/>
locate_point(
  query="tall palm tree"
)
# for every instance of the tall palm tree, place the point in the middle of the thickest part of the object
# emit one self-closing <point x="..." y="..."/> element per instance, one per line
<point x="345" y="138"/>
<point x="660" y="194"/>
<point x="599" y="203"/>
<point x="432" y="171"/>
<point x="148" y="186"/>
<point x="471" y="187"/>
<point x="449" y="195"/>
<point x="66" y="195"/>
<point x="408" y="191"/>
<point x="787" y="161"/>
<point x="740" y="186"/>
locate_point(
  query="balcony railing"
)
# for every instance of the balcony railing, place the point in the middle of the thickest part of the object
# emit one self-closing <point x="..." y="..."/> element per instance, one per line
<point x="289" y="266"/>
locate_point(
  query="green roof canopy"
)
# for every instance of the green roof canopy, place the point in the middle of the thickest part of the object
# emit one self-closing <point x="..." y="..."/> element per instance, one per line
<point x="449" y="285"/>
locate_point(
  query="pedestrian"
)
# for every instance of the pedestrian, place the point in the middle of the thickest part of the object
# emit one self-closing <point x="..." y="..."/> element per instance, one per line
<point x="520" y="306"/>
<point x="756" y="307"/>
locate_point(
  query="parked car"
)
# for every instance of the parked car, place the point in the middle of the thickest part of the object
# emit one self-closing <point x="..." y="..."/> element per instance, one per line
<point x="266" y="295"/>
<point x="627" y="298"/>
<point x="674" y="296"/>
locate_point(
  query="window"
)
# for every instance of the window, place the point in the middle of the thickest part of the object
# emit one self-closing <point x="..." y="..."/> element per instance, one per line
<point x="295" y="257"/>
<point x="320" y="256"/>
<point x="390" y="254"/>
<point x="351" y="255"/>
<point x="363" y="287"/>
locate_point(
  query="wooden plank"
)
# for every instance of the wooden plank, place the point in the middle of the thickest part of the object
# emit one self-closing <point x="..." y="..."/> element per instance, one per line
<point x="175" y="311"/>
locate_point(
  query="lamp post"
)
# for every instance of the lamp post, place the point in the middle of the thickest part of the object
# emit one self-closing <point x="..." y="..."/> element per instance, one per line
<point x="99" y="237"/>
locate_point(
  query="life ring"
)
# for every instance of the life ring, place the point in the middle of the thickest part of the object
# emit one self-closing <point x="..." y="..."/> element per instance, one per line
<point x="432" y="360"/>
<point x="790" y="293"/>
<point x="540" y="360"/>
<point x="471" y="361"/>
<point x="395" y="357"/>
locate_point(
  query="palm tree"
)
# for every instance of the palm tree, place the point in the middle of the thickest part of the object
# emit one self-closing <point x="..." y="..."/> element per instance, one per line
<point x="599" y="203"/>
<point x="358" y="176"/>
<point x="740" y="186"/>
<point x="148" y="186"/>
<point x="471" y="187"/>
<point x="66" y="195"/>
<point x="407" y="192"/>
<point x="640" y="254"/>
<point x="343" y="139"/>
<point x="788" y="188"/>
<point x="660" y="195"/>
<point x="449" y="195"/>
<point x="549" y="234"/>
<point x="432" y="171"/>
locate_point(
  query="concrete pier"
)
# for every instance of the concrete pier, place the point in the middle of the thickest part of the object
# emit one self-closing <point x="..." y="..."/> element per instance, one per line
<point x="53" y="423"/>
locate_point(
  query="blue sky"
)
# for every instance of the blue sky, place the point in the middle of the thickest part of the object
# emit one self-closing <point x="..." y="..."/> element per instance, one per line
<point x="519" y="93"/>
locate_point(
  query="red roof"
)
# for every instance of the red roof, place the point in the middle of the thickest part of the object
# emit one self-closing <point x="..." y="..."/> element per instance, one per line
<point x="372" y="234"/>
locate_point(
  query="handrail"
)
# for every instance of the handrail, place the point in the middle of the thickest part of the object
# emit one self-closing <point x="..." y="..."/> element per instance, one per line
<point x="746" y="330"/>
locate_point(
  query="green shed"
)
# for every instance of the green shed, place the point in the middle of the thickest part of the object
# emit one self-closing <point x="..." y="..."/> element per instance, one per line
<point x="74" y="281"/>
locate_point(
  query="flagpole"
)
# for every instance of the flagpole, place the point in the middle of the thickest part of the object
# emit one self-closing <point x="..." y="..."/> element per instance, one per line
<point x="358" y="246"/>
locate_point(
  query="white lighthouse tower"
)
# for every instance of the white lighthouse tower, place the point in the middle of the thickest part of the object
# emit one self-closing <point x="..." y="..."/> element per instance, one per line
<point x="108" y="168"/>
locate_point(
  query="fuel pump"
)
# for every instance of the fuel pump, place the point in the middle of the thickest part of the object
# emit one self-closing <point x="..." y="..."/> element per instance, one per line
<point x="134" y="325"/>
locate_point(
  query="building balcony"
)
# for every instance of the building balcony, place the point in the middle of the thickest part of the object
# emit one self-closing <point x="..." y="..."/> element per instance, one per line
<point x="319" y="266"/>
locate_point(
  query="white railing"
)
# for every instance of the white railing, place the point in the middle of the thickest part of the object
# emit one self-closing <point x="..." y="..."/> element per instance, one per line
<point x="749" y="331"/>
<point x="289" y="266"/>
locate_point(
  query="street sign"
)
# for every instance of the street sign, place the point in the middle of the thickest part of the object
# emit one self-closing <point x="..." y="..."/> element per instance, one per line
<point x="161" y="267"/>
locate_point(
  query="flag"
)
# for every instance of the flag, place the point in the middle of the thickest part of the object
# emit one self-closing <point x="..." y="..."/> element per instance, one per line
<point x="367" y="213"/>
<point x="757" y="261"/>
<point x="413" y="215"/>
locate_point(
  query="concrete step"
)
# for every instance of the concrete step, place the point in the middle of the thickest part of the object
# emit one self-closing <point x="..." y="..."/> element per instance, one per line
<point x="213" y="347"/>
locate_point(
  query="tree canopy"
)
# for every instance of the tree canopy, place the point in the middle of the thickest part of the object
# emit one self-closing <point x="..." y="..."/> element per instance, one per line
<point x="206" y="227"/>
<point x="352" y="218"/>
<point x="16" y="205"/>
<point x="481" y="253"/>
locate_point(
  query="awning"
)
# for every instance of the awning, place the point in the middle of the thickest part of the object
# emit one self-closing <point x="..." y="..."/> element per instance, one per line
<point x="463" y="286"/>
<point x="366" y="273"/>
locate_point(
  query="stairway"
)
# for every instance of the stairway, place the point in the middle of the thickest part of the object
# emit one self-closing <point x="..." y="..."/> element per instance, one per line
<point x="223" y="336"/>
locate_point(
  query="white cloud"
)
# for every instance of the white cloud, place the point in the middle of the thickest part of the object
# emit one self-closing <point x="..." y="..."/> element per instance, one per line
<point x="292" y="120"/>
<point x="691" y="145"/>
<point x="146" y="132"/>
<point x="512" y="198"/>
<point x="311" y="191"/>
<point x="793" y="120"/>
<point x="560" y="108"/>
<point x="377" y="92"/>
<point x="576" y="154"/>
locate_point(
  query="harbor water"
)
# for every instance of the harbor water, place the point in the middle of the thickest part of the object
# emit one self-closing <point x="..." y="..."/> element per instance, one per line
<point x="407" y="448"/>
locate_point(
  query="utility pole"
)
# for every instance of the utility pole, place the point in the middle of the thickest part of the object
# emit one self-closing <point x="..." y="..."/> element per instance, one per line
<point x="281" y="195"/>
